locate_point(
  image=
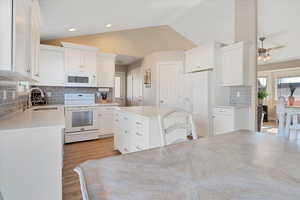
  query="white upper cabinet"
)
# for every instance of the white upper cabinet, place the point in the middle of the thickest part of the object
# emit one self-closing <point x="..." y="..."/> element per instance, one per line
<point x="200" y="58"/>
<point x="19" y="33"/>
<point x="35" y="39"/>
<point x="106" y="69"/>
<point x="51" y="66"/>
<point x="235" y="60"/>
<point x="80" y="59"/>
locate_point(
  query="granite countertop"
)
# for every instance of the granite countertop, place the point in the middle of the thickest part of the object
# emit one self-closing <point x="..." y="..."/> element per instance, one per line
<point x="238" y="165"/>
<point x="34" y="119"/>
<point x="146" y="111"/>
<point x="94" y="105"/>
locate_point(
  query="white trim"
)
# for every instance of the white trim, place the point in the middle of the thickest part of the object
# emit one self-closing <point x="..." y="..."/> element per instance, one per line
<point x="158" y="75"/>
<point x="51" y="47"/>
<point x="77" y="46"/>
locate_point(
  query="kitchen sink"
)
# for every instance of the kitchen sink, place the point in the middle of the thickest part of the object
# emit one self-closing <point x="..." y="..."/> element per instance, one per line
<point x="48" y="108"/>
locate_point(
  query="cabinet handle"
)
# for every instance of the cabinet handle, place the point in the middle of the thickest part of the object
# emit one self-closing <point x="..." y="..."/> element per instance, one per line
<point x="138" y="134"/>
<point x="28" y="70"/>
<point x="125" y="131"/>
<point x="138" y="123"/>
<point x="138" y="148"/>
<point x="116" y="120"/>
<point x="99" y="115"/>
<point x="125" y="118"/>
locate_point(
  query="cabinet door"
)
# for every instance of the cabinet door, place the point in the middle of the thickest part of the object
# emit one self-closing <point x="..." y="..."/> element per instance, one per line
<point x="223" y="124"/>
<point x="233" y="65"/>
<point x="106" y="70"/>
<point x="6" y="35"/>
<point x="105" y="122"/>
<point x="22" y="37"/>
<point x="89" y="61"/>
<point x="35" y="40"/>
<point x="74" y="61"/>
<point x="51" y="66"/>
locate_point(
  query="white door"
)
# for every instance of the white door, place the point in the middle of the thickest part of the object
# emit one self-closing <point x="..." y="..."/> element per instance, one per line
<point x="119" y="89"/>
<point x="169" y="84"/>
<point x="137" y="87"/>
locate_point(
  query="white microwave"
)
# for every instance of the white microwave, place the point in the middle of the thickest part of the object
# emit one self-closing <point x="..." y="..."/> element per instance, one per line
<point x="81" y="79"/>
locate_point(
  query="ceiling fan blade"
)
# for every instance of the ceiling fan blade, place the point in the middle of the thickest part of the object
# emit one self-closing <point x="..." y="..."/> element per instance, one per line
<point x="275" y="48"/>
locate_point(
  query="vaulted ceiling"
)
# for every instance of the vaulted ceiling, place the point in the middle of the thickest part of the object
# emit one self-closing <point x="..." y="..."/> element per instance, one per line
<point x="199" y="21"/>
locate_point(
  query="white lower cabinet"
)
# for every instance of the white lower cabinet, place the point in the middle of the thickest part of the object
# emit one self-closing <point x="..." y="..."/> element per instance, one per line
<point x="132" y="132"/>
<point x="105" y="117"/>
<point x="229" y="118"/>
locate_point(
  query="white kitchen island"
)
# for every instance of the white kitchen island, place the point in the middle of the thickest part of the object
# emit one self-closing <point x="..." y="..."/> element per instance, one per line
<point x="137" y="128"/>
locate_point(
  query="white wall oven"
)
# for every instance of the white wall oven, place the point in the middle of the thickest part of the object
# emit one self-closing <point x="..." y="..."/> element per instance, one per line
<point x="80" y="119"/>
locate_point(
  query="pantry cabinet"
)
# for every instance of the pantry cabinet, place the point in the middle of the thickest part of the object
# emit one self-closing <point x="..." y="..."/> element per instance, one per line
<point x="200" y="58"/>
<point x="19" y="23"/>
<point x="235" y="59"/>
<point x="106" y="69"/>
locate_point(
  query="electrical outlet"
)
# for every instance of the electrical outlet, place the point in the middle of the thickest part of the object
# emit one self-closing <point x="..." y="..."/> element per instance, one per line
<point x="4" y="95"/>
<point x="238" y="94"/>
<point x="49" y="94"/>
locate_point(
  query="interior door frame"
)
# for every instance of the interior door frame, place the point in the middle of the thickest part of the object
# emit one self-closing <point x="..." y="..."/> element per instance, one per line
<point x="158" y="76"/>
<point x="123" y="88"/>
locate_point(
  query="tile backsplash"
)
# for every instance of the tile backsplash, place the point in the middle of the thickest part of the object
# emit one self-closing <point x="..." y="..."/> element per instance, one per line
<point x="55" y="95"/>
<point x="240" y="95"/>
<point x="12" y="98"/>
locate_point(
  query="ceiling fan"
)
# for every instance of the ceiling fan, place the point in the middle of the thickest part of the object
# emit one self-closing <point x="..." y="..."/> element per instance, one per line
<point x="265" y="53"/>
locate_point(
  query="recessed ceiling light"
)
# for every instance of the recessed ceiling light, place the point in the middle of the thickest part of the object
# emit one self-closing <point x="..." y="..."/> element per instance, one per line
<point x="108" y="25"/>
<point x="72" y="29"/>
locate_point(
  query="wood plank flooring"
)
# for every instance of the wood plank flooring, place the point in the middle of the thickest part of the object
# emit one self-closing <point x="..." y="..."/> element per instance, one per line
<point x="76" y="153"/>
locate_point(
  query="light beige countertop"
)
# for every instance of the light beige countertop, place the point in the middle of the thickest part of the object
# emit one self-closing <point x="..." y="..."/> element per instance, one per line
<point x="146" y="111"/>
<point x="34" y="119"/>
<point x="241" y="165"/>
<point x="94" y="105"/>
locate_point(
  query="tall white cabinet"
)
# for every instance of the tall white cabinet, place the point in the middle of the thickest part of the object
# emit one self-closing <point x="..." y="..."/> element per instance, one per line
<point x="19" y="37"/>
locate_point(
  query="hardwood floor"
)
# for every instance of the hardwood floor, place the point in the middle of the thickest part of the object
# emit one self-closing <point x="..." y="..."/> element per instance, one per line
<point x="76" y="153"/>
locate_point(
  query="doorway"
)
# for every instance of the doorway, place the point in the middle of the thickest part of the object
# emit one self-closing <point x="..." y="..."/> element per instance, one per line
<point x="119" y="90"/>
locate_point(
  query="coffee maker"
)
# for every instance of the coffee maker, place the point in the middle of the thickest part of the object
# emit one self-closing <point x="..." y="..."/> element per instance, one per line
<point x="103" y="95"/>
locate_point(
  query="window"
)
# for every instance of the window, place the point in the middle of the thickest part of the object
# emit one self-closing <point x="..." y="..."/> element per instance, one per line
<point x="285" y="83"/>
<point x="117" y="87"/>
<point x="262" y="83"/>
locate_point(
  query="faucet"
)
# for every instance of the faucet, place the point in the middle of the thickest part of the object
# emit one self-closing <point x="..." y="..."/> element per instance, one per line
<point x="29" y="96"/>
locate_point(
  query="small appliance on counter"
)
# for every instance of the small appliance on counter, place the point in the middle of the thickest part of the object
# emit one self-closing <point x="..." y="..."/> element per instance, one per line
<point x="102" y="95"/>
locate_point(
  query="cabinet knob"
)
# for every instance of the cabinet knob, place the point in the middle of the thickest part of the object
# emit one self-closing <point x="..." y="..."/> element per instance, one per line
<point x="138" y="123"/>
<point x="161" y="101"/>
<point x="138" y="134"/>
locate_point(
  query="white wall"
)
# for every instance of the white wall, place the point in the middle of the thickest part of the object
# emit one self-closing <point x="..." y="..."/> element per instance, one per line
<point x="209" y="21"/>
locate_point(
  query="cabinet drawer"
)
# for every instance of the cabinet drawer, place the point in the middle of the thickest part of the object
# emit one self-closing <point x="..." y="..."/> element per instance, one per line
<point x="223" y="111"/>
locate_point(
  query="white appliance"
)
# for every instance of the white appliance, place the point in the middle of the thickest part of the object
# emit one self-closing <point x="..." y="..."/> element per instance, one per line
<point x="82" y="79"/>
<point x="81" y="117"/>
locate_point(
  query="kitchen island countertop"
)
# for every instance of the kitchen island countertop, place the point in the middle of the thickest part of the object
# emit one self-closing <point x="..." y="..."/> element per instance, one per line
<point x="238" y="165"/>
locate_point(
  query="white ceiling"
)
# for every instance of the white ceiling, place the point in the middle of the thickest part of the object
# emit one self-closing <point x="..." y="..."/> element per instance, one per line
<point x="91" y="16"/>
<point x="278" y="20"/>
<point x="200" y="21"/>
